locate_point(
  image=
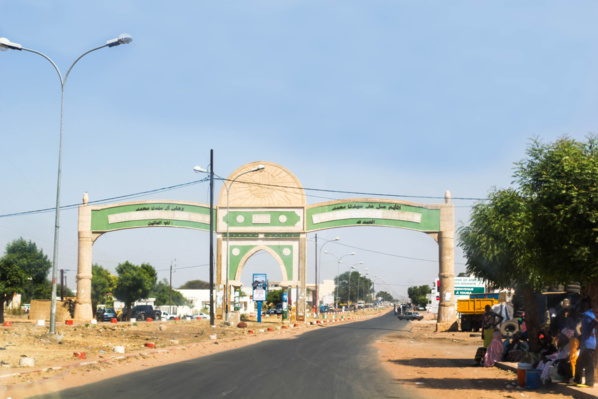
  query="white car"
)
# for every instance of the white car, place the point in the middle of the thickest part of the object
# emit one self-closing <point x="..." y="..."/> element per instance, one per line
<point x="200" y="316"/>
<point x="168" y="316"/>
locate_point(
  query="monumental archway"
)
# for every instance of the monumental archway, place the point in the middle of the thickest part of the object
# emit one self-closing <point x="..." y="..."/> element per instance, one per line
<point x="266" y="210"/>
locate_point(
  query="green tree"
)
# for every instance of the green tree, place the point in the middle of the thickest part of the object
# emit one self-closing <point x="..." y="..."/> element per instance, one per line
<point x="560" y="180"/>
<point x="23" y="265"/>
<point x="417" y="295"/>
<point x="195" y="285"/>
<point x="134" y="283"/>
<point x="385" y="296"/>
<point x="543" y="231"/>
<point x="162" y="293"/>
<point x="499" y="248"/>
<point x="274" y="296"/>
<point x="102" y="284"/>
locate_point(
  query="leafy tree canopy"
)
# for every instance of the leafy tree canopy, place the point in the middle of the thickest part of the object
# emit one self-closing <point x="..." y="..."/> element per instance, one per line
<point x="417" y="295"/>
<point x="385" y="296"/>
<point x="163" y="294"/>
<point x="134" y="283"/>
<point x="195" y="285"/>
<point x="274" y="296"/>
<point x="22" y="268"/>
<point x="560" y="180"/>
<point x="102" y="283"/>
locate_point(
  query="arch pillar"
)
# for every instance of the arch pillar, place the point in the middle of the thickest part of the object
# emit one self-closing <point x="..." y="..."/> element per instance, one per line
<point x="83" y="309"/>
<point x="447" y="315"/>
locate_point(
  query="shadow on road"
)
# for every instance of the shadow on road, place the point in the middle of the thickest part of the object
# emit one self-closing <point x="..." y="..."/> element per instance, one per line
<point x="432" y="362"/>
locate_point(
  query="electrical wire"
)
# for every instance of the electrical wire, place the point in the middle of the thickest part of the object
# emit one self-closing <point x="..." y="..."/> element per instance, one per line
<point x="182" y="185"/>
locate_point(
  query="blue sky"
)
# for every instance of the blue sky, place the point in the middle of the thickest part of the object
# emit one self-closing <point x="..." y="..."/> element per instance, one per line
<point x="399" y="97"/>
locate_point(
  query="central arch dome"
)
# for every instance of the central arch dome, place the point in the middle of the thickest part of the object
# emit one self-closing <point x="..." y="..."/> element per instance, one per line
<point x="273" y="186"/>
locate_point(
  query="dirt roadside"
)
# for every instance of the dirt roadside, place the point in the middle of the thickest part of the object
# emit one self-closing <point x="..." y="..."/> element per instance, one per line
<point x="440" y="365"/>
<point x="87" y="353"/>
<point x="430" y="364"/>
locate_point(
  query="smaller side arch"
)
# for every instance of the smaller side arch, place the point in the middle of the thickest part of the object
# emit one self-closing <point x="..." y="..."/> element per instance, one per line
<point x="255" y="250"/>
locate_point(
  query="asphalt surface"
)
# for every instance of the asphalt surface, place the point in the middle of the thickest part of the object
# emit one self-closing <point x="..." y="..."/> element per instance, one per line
<point x="328" y="362"/>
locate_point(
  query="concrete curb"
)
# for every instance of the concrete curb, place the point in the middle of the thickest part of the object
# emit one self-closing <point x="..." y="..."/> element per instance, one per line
<point x="578" y="393"/>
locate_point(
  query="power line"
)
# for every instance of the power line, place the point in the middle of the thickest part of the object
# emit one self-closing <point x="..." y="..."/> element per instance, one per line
<point x="181" y="268"/>
<point x="392" y="255"/>
<point x="182" y="185"/>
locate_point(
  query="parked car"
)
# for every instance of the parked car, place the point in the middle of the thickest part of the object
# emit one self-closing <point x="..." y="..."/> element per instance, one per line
<point x="142" y="312"/>
<point x="410" y="316"/>
<point x="106" y="314"/>
<point x="168" y="316"/>
<point x="200" y="316"/>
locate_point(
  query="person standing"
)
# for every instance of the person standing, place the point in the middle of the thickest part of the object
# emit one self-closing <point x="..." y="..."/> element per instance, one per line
<point x="490" y="321"/>
<point x="587" y="344"/>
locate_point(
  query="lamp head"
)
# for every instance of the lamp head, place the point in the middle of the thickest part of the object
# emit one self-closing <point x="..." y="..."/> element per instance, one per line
<point x="6" y="44"/>
<point x="259" y="167"/>
<point x="122" y="39"/>
<point x="335" y="239"/>
<point x="199" y="169"/>
<point x="351" y="253"/>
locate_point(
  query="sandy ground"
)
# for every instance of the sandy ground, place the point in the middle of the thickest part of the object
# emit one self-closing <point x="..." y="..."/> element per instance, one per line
<point x="440" y="365"/>
<point x="430" y="364"/>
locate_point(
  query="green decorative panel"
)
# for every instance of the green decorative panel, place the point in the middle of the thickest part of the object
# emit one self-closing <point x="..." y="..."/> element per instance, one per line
<point x="262" y="218"/>
<point x="281" y="235"/>
<point x="387" y="214"/>
<point x="159" y="214"/>
<point x="285" y="252"/>
<point x="241" y="235"/>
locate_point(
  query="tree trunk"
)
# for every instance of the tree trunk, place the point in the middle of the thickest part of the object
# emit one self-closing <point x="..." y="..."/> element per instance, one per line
<point x="532" y="321"/>
<point x="3" y="299"/>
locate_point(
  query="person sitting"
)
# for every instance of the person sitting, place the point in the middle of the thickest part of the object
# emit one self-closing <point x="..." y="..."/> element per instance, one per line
<point x="515" y="348"/>
<point x="557" y="366"/>
<point x="495" y="350"/>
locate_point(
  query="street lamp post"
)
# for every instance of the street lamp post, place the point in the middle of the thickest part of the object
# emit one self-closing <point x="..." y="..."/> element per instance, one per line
<point x="228" y="186"/>
<point x="198" y="169"/>
<point x="317" y="276"/>
<point x="6" y="44"/>
<point x="338" y="268"/>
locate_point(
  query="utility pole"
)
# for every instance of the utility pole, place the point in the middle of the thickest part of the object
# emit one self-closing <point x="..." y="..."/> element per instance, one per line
<point x="170" y="292"/>
<point x="212" y="236"/>
<point x="317" y="298"/>
<point x="62" y="284"/>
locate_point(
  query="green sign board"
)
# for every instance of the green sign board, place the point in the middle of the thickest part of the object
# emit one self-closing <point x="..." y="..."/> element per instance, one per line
<point x="158" y="214"/>
<point x="468" y="290"/>
<point x="387" y="214"/>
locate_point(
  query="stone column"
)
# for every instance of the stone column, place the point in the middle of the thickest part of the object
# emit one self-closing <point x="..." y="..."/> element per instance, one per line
<point x="83" y="311"/>
<point x="300" y="305"/>
<point x="219" y="289"/>
<point x="447" y="315"/>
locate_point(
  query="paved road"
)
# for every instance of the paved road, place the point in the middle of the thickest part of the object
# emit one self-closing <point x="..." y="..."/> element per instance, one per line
<point x="328" y="362"/>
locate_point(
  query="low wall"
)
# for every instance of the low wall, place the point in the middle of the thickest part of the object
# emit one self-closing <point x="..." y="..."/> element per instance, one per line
<point x="40" y="310"/>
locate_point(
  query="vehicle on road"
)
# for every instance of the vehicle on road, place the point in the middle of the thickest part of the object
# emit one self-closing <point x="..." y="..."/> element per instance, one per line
<point x="472" y="310"/>
<point x="168" y="316"/>
<point x="143" y="312"/>
<point x="410" y="316"/>
<point x="106" y="314"/>
<point x="199" y="316"/>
